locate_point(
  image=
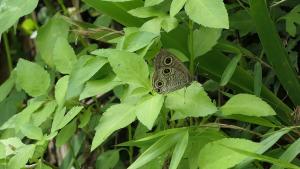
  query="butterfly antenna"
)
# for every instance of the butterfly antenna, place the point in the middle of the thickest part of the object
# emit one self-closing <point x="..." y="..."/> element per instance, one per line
<point x="195" y="76"/>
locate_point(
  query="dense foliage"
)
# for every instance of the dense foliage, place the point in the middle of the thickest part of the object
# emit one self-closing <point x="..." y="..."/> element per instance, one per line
<point x="76" y="84"/>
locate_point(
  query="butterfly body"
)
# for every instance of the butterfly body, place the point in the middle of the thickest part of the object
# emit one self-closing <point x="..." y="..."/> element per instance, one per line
<point x="170" y="74"/>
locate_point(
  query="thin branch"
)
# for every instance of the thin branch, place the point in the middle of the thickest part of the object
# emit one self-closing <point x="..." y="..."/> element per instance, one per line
<point x="220" y="125"/>
<point x="277" y="3"/>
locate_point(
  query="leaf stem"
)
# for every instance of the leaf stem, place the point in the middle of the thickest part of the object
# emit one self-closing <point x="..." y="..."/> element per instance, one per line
<point x="191" y="48"/>
<point x="7" y="51"/>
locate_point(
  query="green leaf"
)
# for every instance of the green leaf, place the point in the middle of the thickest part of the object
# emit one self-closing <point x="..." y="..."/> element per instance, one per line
<point x="99" y="87"/>
<point x="241" y="81"/>
<point x="63" y="56"/>
<point x="69" y="116"/>
<point x="32" y="78"/>
<point x="11" y="144"/>
<point x="169" y="23"/>
<point x="12" y="10"/>
<point x="10" y="105"/>
<point x="155" y="150"/>
<point x="131" y="94"/>
<point x="252" y="119"/>
<point x="44" y="113"/>
<point x="179" y="150"/>
<point x="152" y="2"/>
<point x="117" y="0"/>
<point x="191" y="101"/>
<point x="31" y="131"/>
<point x="291" y="153"/>
<point x="271" y="139"/>
<point x="210" y="13"/>
<point x="61" y="90"/>
<point x="48" y="34"/>
<point x="114" y="118"/>
<point x="118" y="11"/>
<point x="58" y="116"/>
<point x="176" y="39"/>
<point x="266" y="144"/>
<point x="6" y="87"/>
<point x="103" y="20"/>
<point x="18" y="120"/>
<point x="2" y="151"/>
<point x="257" y="79"/>
<point x="230" y="69"/>
<point x="205" y="39"/>
<point x="137" y="40"/>
<point x="66" y="133"/>
<point x="50" y="136"/>
<point x="273" y="47"/>
<point x="292" y="20"/>
<point x="176" y="6"/>
<point x="263" y="158"/>
<point x="23" y="154"/>
<point x="197" y="140"/>
<point x="82" y="71"/>
<point x="129" y="67"/>
<point x="241" y="20"/>
<point x="209" y="63"/>
<point x="244" y="104"/>
<point x="84" y="118"/>
<point x="146" y="12"/>
<point x="181" y="56"/>
<point x="154" y="136"/>
<point x="150" y="50"/>
<point x="157" y="163"/>
<point x="153" y="26"/>
<point x="40" y="149"/>
<point x="148" y="109"/>
<point x="215" y="155"/>
<point x="108" y="159"/>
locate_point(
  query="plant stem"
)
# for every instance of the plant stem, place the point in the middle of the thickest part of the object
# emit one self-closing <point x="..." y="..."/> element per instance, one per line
<point x="130" y="147"/>
<point x="63" y="7"/>
<point x="49" y="164"/>
<point x="204" y="120"/>
<point x="50" y="7"/>
<point x="242" y="5"/>
<point x="191" y="121"/>
<point x="261" y="54"/>
<point x="76" y="163"/>
<point x="220" y="125"/>
<point x="220" y="96"/>
<point x="191" y="48"/>
<point x="98" y="108"/>
<point x="277" y="3"/>
<point x="7" y="51"/>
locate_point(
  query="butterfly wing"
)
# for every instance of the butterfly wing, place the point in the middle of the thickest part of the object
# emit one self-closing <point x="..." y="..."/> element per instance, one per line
<point x="170" y="74"/>
<point x="159" y="59"/>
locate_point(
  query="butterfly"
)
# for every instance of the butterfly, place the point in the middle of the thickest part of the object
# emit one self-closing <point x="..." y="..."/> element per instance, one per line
<point x="169" y="73"/>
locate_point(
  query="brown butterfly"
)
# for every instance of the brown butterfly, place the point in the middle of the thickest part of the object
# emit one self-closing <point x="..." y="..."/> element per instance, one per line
<point x="170" y="74"/>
